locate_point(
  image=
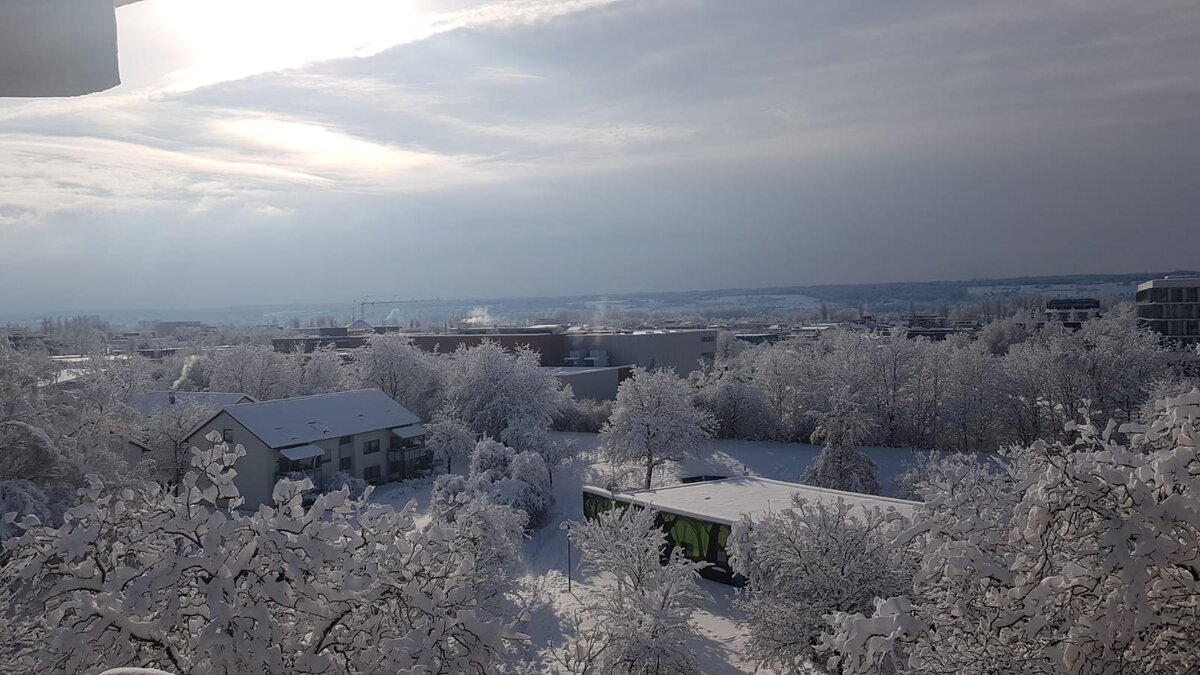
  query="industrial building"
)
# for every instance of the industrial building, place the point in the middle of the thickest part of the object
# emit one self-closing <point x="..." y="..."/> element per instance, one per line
<point x="597" y="384"/>
<point x="1071" y="312"/>
<point x="683" y="349"/>
<point x="1171" y="307"/>
<point x="698" y="516"/>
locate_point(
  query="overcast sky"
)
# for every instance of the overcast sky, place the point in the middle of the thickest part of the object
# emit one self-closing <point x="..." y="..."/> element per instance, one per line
<point x="265" y="151"/>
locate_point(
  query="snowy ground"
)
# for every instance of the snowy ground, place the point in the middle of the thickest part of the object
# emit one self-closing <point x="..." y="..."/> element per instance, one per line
<point x="720" y="645"/>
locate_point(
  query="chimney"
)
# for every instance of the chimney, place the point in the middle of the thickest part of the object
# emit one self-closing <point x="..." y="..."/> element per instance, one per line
<point x="171" y="398"/>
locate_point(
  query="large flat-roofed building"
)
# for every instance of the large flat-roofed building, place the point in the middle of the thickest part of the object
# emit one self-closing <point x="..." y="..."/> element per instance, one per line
<point x="698" y="517"/>
<point x="597" y="384"/>
<point x="1171" y="307"/>
<point x="683" y="350"/>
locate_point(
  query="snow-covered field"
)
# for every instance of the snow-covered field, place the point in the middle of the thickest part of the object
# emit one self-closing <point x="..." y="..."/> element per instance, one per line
<point x="719" y="647"/>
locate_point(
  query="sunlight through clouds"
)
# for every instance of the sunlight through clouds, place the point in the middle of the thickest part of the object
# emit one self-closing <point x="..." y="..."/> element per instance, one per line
<point x="232" y="39"/>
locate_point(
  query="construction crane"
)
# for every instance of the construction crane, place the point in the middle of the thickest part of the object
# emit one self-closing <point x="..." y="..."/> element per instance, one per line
<point x="366" y="300"/>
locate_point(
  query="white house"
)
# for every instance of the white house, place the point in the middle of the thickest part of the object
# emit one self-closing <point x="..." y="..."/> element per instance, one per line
<point x="363" y="433"/>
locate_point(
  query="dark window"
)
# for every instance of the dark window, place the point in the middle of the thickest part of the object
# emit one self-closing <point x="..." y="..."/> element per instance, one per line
<point x="708" y="338"/>
<point x="227" y="435"/>
<point x="370" y="447"/>
<point x="344" y="464"/>
<point x="371" y="472"/>
<point x="346" y="440"/>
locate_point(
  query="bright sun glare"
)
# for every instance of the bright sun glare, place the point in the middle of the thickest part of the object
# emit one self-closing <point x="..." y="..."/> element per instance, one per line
<point x="230" y="39"/>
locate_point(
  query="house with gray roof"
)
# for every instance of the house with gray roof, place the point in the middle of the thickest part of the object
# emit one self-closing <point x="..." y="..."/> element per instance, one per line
<point x="149" y="402"/>
<point x="363" y="433"/>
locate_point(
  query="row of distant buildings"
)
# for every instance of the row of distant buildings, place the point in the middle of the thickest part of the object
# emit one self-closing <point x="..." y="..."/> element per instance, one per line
<point x="1169" y="306"/>
<point x="593" y="362"/>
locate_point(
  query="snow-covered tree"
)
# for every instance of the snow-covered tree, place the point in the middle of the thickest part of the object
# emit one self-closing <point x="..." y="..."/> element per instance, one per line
<point x="321" y="371"/>
<point x="166" y="432"/>
<point x="810" y="560"/>
<point x="638" y="620"/>
<point x="28" y="453"/>
<point x="255" y="370"/>
<point x="392" y="363"/>
<point x="504" y="394"/>
<point x="449" y="438"/>
<point x="188" y="584"/>
<point x="22" y="498"/>
<point x="840" y="464"/>
<point x="726" y="392"/>
<point x="971" y="397"/>
<point x="1075" y="557"/>
<point x="654" y="422"/>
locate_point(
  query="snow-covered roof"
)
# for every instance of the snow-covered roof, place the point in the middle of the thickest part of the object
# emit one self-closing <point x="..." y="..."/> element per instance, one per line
<point x="578" y="370"/>
<point x="408" y="432"/>
<point x="150" y="402"/>
<point x="728" y="499"/>
<point x="304" y="419"/>
<point x="299" y="452"/>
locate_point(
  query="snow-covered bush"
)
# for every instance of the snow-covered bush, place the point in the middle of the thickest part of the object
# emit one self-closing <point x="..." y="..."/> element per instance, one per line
<point x="492" y="535"/>
<point x="518" y="480"/>
<point x="187" y="584"/>
<point x="808" y="561"/>
<point x="490" y="456"/>
<point x="444" y="497"/>
<point x="529" y="469"/>
<point x="341" y="480"/>
<point x="583" y="415"/>
<point x="640" y="623"/>
<point x="1077" y="557"/>
<point x="654" y="422"/>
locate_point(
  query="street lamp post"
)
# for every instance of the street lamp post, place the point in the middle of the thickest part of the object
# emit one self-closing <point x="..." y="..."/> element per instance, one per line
<point x="566" y="527"/>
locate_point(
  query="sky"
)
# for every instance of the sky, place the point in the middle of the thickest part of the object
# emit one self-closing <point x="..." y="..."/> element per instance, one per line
<point x="274" y="151"/>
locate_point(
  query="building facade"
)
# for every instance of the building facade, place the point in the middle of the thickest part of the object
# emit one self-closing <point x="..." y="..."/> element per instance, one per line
<point x="362" y="433"/>
<point x="1171" y="308"/>
<point x="681" y="349"/>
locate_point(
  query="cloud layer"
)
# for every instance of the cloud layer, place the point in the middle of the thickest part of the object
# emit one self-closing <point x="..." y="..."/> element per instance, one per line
<point x="538" y="147"/>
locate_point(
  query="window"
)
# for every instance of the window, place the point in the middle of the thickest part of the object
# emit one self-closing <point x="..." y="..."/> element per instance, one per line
<point x="371" y="447"/>
<point x="227" y="435"/>
<point x="346" y="440"/>
<point x="344" y="464"/>
<point x="708" y="338"/>
<point x="371" y="472"/>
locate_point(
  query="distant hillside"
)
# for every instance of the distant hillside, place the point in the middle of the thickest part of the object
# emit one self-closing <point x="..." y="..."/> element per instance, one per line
<point x="712" y="304"/>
